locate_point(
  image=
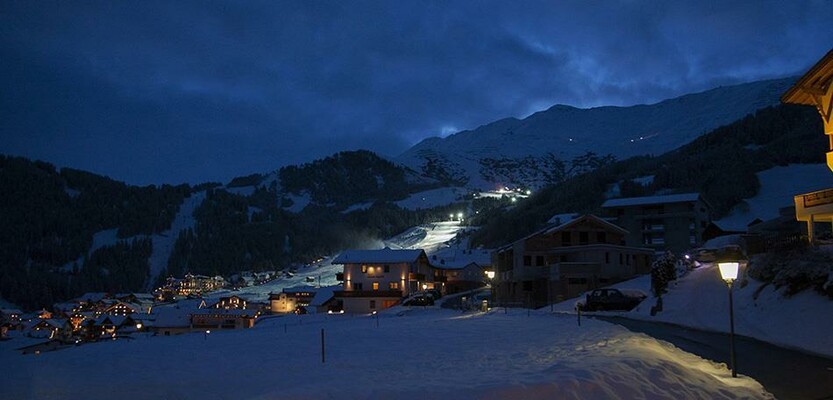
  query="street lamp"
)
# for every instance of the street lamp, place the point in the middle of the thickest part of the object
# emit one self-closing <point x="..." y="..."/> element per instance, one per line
<point x="728" y="261"/>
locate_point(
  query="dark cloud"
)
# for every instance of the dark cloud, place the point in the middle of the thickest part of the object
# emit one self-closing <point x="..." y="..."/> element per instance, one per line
<point x="195" y="91"/>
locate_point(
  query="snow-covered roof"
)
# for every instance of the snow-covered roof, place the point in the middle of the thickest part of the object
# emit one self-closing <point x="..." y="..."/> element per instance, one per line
<point x="298" y="289"/>
<point x="8" y="311"/>
<point x="385" y="255"/>
<point x="563" y="218"/>
<point x="592" y="217"/>
<point x="646" y="200"/>
<point x="323" y="295"/>
<point x="92" y="297"/>
<point x="168" y="317"/>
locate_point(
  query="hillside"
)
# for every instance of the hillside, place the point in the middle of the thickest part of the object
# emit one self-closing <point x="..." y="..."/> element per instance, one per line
<point x="723" y="165"/>
<point x="541" y="149"/>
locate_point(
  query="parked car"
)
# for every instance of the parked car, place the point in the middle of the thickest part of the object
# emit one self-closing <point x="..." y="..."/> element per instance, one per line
<point x="419" y="300"/>
<point x="613" y="299"/>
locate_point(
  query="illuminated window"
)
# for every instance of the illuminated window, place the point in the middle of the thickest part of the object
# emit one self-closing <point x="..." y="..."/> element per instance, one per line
<point x="375" y="285"/>
<point x="364" y="269"/>
<point x="394" y="285"/>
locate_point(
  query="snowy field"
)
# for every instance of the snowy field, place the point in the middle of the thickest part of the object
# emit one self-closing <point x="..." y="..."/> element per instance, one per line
<point x="700" y="300"/>
<point x="416" y="354"/>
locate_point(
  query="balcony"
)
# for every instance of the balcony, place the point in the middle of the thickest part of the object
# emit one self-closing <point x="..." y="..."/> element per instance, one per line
<point x="413" y="276"/>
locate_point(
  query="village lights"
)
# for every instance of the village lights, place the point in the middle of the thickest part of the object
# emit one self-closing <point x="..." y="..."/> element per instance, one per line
<point x="139" y="326"/>
<point x="490" y="274"/>
<point x="451" y="216"/>
<point x="514" y="199"/>
<point x="728" y="261"/>
<point x="460" y="216"/>
<point x="424" y="287"/>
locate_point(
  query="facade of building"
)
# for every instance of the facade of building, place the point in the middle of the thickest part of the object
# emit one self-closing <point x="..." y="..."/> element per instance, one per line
<point x="291" y="300"/>
<point x="815" y="89"/>
<point x="564" y="260"/>
<point x="673" y="222"/>
<point x="378" y="279"/>
<point x="459" y="277"/>
<point x="218" y="318"/>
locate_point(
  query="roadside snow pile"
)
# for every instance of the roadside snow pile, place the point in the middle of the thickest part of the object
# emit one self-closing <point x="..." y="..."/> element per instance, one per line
<point x="795" y="270"/>
<point x="423" y="354"/>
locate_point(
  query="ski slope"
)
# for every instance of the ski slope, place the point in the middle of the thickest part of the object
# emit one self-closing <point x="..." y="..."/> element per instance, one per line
<point x="163" y="243"/>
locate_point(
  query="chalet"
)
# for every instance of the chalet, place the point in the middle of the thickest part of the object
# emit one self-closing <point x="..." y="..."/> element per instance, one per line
<point x="815" y="89"/>
<point x="172" y="320"/>
<point x="217" y="318"/>
<point x="673" y="222"/>
<point x="378" y="279"/>
<point x="109" y="325"/>
<point x="49" y="328"/>
<point x="291" y="300"/>
<point x="325" y="300"/>
<point x="562" y="261"/>
<point x="121" y="308"/>
<point x="233" y="302"/>
<point x="11" y="315"/>
<point x="458" y="277"/>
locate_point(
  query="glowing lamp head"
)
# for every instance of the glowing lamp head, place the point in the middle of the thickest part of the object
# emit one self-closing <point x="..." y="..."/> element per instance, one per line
<point x="459" y="215"/>
<point x="139" y="326"/>
<point x="729" y="270"/>
<point x="424" y="286"/>
<point x="490" y="274"/>
<point x="207" y="332"/>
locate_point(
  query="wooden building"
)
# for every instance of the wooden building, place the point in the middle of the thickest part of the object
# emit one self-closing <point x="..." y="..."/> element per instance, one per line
<point x="563" y="260"/>
<point x="815" y="89"/>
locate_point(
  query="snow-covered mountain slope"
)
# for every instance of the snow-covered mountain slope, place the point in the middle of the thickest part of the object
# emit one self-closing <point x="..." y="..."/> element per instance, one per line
<point x="778" y="186"/>
<point x="163" y="243"/>
<point x="524" y="152"/>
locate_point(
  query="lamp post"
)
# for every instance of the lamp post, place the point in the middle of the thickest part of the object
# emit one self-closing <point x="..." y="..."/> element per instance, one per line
<point x="729" y="264"/>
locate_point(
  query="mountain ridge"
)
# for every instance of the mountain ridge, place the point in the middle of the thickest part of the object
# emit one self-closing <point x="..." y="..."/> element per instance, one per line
<point x="566" y="132"/>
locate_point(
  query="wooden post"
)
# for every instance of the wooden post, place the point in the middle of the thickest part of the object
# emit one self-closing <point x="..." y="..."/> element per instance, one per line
<point x="322" y="346"/>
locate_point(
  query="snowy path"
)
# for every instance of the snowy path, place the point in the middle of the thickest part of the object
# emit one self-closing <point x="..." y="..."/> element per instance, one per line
<point x="163" y="243"/>
<point x="787" y="374"/>
<point x="423" y="354"/>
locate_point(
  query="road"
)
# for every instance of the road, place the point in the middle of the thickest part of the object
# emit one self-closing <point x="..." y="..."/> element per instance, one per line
<point x="788" y="374"/>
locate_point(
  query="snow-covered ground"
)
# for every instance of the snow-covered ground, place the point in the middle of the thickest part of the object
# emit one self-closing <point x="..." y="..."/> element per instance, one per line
<point x="429" y="237"/>
<point x="700" y="300"/>
<point x="778" y="186"/>
<point x="433" y="198"/>
<point x="417" y="354"/>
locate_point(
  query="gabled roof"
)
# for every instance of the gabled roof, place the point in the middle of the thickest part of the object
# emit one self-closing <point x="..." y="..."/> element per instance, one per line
<point x="221" y="311"/>
<point x="385" y="255"/>
<point x="587" y="217"/>
<point x="323" y="295"/>
<point x="815" y="82"/>
<point x="647" y="200"/>
<point x="92" y="297"/>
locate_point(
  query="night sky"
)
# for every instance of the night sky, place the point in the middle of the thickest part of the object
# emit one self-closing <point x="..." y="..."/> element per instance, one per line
<point x="170" y="92"/>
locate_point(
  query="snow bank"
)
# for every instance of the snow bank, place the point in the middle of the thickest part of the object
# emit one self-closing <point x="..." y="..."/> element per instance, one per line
<point x="700" y="300"/>
<point x="423" y="354"/>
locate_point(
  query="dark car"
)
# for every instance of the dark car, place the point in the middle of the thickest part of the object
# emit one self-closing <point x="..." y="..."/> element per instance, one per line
<point x="420" y="300"/>
<point x="613" y="299"/>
